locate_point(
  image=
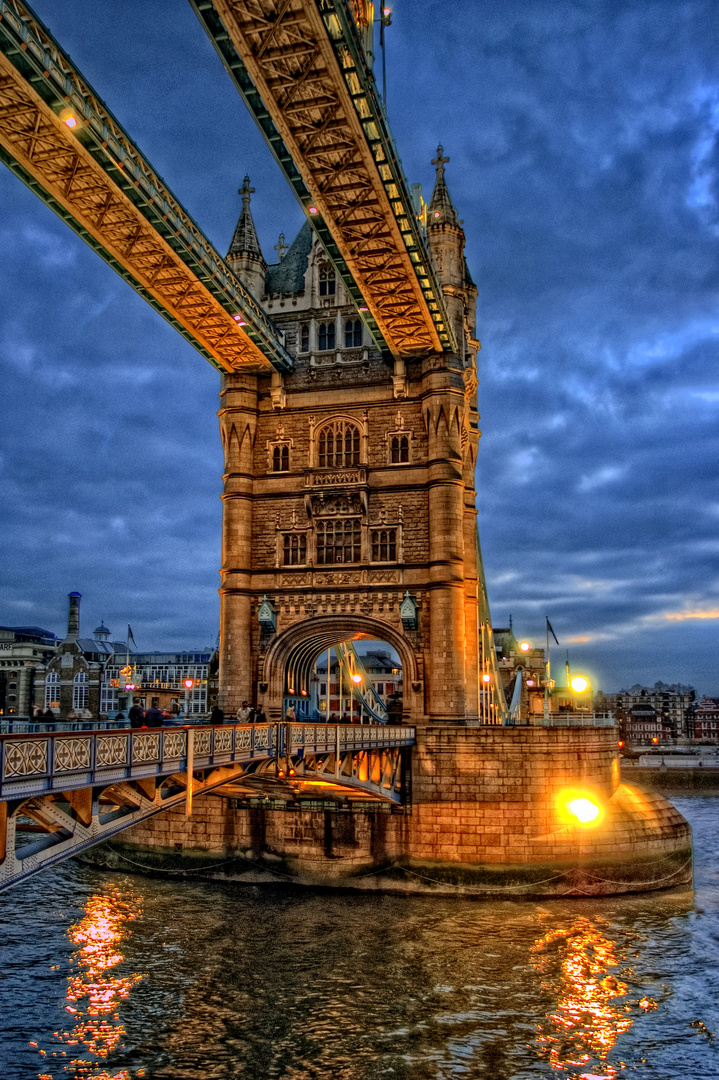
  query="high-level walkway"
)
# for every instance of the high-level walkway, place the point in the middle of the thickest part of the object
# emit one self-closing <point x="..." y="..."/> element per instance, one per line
<point x="79" y="788"/>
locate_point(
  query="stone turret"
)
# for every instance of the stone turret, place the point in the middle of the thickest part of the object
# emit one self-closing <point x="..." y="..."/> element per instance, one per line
<point x="245" y="255"/>
<point x="445" y="236"/>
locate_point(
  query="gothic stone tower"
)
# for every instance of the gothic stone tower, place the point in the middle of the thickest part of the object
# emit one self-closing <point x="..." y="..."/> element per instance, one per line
<point x="350" y="484"/>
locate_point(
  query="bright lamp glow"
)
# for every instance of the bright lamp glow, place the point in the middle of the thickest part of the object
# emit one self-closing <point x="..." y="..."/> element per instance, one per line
<point x="584" y="810"/>
<point x="524" y="646"/>
<point x="189" y="683"/>
<point x="239" y="320"/>
<point x="356" y="678"/>
<point x="312" y="209"/>
<point x="68" y="118"/>
<point x="530" y="682"/>
<point x="579" y="683"/>
<point x="486" y="678"/>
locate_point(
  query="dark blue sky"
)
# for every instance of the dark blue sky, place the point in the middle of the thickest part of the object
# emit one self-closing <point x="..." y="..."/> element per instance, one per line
<point x="583" y="159"/>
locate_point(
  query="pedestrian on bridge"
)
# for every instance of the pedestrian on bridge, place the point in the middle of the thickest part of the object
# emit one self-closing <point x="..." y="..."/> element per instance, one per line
<point x="290" y="715"/>
<point x="244" y="713"/>
<point x="154" y="717"/>
<point x="260" y="717"/>
<point x="217" y="716"/>
<point x="137" y="716"/>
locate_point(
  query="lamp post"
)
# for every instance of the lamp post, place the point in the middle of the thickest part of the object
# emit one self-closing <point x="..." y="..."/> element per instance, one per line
<point x="189" y="683"/>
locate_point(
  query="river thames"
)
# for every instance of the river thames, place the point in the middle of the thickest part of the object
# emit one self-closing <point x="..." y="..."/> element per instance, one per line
<point x="108" y="976"/>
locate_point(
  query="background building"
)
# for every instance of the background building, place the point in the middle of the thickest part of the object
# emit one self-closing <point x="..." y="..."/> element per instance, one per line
<point x="22" y="650"/>
<point x="669" y="701"/>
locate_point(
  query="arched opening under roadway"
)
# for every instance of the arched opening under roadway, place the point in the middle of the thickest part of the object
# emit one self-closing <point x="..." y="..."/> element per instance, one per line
<point x="318" y="668"/>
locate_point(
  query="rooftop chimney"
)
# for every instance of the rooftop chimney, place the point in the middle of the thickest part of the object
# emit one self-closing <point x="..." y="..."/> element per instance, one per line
<point x="73" y="616"/>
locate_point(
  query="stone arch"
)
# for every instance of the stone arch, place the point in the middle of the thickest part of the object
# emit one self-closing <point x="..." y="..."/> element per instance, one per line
<point x="300" y="645"/>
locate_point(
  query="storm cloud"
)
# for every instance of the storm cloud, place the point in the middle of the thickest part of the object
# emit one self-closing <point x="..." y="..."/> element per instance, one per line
<point x="584" y="159"/>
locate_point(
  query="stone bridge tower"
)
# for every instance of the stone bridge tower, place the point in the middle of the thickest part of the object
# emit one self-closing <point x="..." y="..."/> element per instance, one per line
<point x="349" y="486"/>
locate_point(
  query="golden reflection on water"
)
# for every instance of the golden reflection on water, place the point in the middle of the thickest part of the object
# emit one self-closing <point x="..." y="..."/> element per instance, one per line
<point x="577" y="966"/>
<point x="94" y="990"/>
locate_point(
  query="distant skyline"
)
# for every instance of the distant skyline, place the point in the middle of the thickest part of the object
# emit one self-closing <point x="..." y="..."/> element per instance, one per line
<point x="583" y="151"/>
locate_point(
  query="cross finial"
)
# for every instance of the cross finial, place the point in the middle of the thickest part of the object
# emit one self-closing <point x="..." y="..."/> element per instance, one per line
<point x="440" y="161"/>
<point x="245" y="191"/>
<point x="281" y="248"/>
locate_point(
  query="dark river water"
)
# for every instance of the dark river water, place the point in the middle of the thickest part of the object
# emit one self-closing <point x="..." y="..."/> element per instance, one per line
<point x="110" y="976"/>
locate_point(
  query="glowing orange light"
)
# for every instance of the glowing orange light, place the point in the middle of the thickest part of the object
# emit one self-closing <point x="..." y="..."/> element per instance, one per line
<point x="524" y="646"/>
<point x="584" y="810"/>
<point x="486" y="678"/>
<point x="579" y="683"/>
<point x="356" y="678"/>
<point x="655" y="739"/>
<point x="304" y="693"/>
<point x="291" y="772"/>
<point x="621" y="742"/>
<point x="280" y="772"/>
<point x="68" y="118"/>
<point x="189" y="683"/>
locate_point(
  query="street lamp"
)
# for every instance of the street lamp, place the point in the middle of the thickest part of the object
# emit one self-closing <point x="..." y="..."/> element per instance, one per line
<point x="189" y="683"/>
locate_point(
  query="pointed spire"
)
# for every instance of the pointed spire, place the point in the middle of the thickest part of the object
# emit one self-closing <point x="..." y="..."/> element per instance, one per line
<point x="245" y="241"/>
<point x="440" y="209"/>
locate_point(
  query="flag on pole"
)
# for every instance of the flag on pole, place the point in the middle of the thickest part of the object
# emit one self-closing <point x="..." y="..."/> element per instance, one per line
<point x="551" y="631"/>
<point x="130" y="638"/>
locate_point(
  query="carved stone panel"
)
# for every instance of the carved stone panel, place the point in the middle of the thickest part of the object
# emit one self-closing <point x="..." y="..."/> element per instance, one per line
<point x="145" y="748"/>
<point x="25" y="758"/>
<point x="72" y="754"/>
<point x="175" y="744"/>
<point x="111" y="750"/>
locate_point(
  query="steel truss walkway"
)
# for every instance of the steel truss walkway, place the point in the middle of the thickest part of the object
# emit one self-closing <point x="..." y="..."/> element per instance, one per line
<point x="302" y="70"/>
<point x="60" y="139"/>
<point x="82" y="788"/>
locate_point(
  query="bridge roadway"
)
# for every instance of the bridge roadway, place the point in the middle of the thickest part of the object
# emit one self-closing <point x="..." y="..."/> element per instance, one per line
<point x="80" y="788"/>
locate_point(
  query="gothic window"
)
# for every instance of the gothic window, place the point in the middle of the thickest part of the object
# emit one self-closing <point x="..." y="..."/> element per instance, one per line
<point x="339" y="445"/>
<point x="294" y="549"/>
<point x="384" y="545"/>
<point x="304" y="338"/>
<point x="52" y="691"/>
<point x="327" y="336"/>
<point x="281" y="458"/>
<point x="80" y="691"/>
<point x="338" y="541"/>
<point x="353" y="333"/>
<point x="327" y="281"/>
<point x="400" y="448"/>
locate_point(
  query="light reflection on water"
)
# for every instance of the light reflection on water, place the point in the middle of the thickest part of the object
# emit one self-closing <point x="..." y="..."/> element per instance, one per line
<point x="196" y="980"/>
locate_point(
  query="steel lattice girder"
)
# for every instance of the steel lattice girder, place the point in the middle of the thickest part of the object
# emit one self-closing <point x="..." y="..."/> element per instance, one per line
<point x="300" y="67"/>
<point x="94" y="177"/>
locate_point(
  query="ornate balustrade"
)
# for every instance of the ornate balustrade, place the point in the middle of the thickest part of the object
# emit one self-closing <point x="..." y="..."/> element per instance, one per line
<point x="45" y="762"/>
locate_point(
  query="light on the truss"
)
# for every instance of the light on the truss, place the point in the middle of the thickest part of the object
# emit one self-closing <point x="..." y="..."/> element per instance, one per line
<point x="313" y="210"/>
<point x="486" y="678"/>
<point x="579" y="683"/>
<point x="524" y="646"/>
<point x="239" y="320"/>
<point x="356" y="678"/>
<point x="530" y="682"/>
<point x="304" y="693"/>
<point x="68" y="118"/>
<point x="363" y="307"/>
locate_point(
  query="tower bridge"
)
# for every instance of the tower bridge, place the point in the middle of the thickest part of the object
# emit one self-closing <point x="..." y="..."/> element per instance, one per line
<point x="349" y="424"/>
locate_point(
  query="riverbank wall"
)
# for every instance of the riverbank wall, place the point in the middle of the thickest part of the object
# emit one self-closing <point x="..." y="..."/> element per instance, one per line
<point x="486" y="815"/>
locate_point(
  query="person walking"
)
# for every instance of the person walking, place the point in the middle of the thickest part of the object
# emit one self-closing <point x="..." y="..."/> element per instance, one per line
<point x="290" y="715"/>
<point x="244" y="713"/>
<point x="260" y="716"/>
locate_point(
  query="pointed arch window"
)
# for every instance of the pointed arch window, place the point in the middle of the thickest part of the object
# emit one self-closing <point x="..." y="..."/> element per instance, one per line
<point x="281" y="458"/>
<point x="328" y="281"/>
<point x="294" y="549"/>
<point x="304" y="338"/>
<point x="326" y="336"/>
<point x="338" y="445"/>
<point x="384" y="545"/>
<point x="400" y="448"/>
<point x="353" y="333"/>
<point x="80" y="691"/>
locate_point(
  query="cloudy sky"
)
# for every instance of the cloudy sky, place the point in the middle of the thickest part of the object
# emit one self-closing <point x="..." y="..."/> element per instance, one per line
<point x="583" y="150"/>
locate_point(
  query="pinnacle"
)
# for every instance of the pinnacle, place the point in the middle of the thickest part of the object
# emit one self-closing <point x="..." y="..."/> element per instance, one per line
<point x="245" y="241"/>
<point x="440" y="208"/>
